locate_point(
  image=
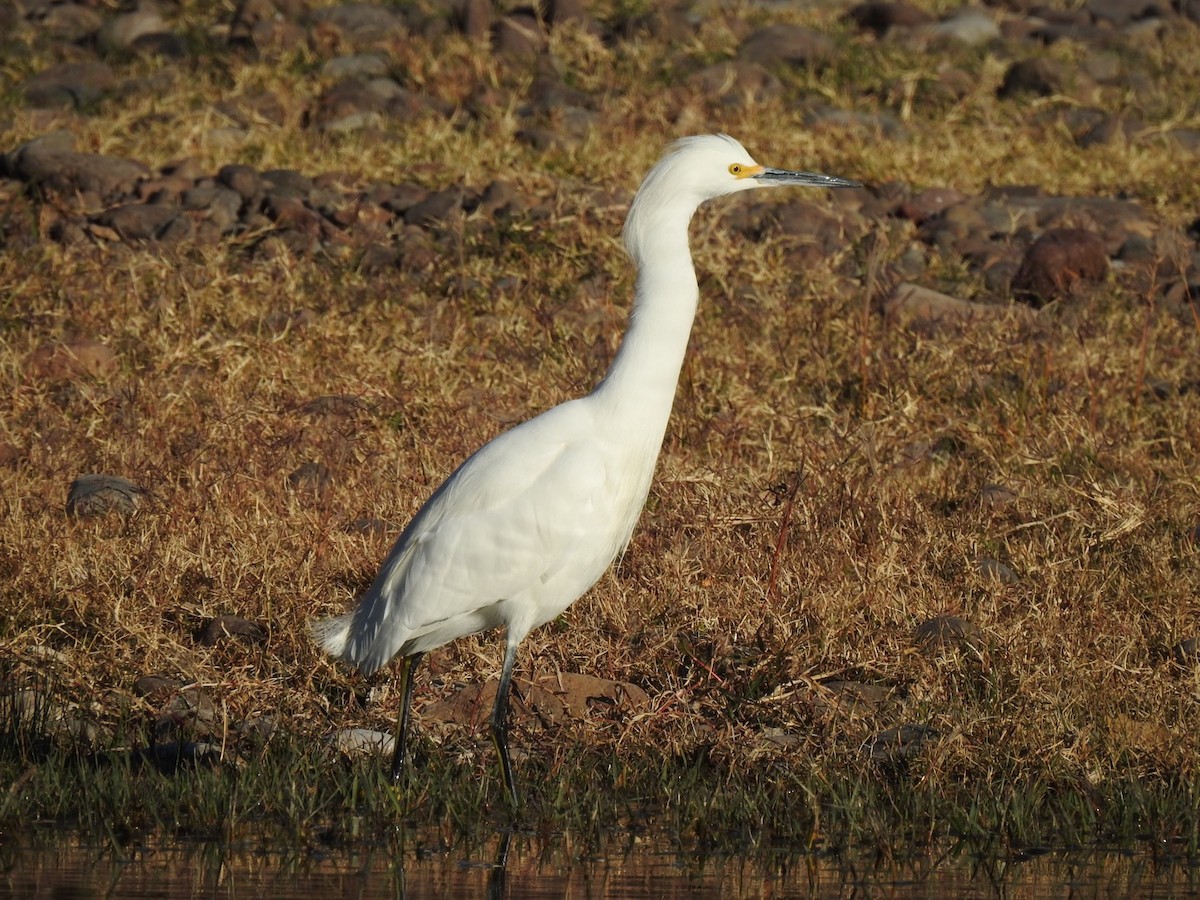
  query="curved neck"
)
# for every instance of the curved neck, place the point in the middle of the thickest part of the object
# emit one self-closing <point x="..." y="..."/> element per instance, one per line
<point x="640" y="383"/>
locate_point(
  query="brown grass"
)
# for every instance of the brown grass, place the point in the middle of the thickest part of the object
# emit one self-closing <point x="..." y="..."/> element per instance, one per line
<point x="818" y="494"/>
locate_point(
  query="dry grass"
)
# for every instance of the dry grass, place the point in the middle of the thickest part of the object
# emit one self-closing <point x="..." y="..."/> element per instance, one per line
<point x="819" y="493"/>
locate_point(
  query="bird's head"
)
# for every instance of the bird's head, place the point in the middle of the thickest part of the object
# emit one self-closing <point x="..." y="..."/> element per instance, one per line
<point x="696" y="169"/>
<point x="712" y="165"/>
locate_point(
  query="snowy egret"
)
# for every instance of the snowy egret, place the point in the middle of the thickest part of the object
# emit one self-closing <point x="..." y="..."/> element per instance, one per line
<point x="531" y="521"/>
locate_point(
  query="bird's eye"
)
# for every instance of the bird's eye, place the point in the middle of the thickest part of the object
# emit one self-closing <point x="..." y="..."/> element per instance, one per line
<point x="735" y="169"/>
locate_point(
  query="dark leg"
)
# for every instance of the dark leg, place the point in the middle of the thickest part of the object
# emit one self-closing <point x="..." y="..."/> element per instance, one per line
<point x="500" y="722"/>
<point x="408" y="669"/>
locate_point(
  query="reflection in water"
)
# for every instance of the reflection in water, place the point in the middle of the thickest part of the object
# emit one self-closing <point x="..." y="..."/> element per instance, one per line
<point x="522" y="867"/>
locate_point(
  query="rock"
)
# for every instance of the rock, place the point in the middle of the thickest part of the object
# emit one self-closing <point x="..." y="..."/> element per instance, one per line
<point x="371" y="527"/>
<point x="994" y="570"/>
<point x="519" y="37"/>
<point x="221" y="628"/>
<point x="311" y="477"/>
<point x="997" y="496"/>
<point x="475" y="19"/>
<point x="244" y="180"/>
<point x="1187" y="652"/>
<point x="737" y="83"/>
<point x="171" y="756"/>
<point x="942" y="631"/>
<point x="436" y="209"/>
<point x="792" y="44"/>
<point x="928" y="203"/>
<point x="357" y="66"/>
<point x="52" y="162"/>
<point x="560" y="12"/>
<point x="1040" y="76"/>
<point x="364" y="740"/>
<point x="95" y="495"/>
<point x="969" y="26"/>
<point x="882" y="17"/>
<point x="362" y="22"/>
<point x="898" y="745"/>
<point x="71" y="23"/>
<point x="922" y="305"/>
<point x="70" y="84"/>
<point x="139" y="221"/>
<point x="1057" y="262"/>
<point x="156" y="686"/>
<point x="119" y="33"/>
<point x="79" y="357"/>
<point x="853" y="697"/>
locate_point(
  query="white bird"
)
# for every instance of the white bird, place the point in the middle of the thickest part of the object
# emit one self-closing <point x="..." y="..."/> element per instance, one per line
<point x="531" y="521"/>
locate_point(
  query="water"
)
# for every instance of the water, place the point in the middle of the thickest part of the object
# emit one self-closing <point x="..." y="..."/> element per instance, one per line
<point x="550" y="870"/>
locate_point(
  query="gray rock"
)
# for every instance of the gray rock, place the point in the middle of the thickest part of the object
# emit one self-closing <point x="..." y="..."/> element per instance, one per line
<point x="994" y="570"/>
<point x="121" y="31"/>
<point x="1040" y="76"/>
<point x="435" y="209"/>
<point x="1057" y="262"/>
<point x="785" y="43"/>
<point x="882" y="17"/>
<point x="71" y="22"/>
<point x="223" y="628"/>
<point x="898" y="745"/>
<point x="968" y="26"/>
<point x="95" y="495"/>
<point x="51" y="161"/>
<point x="139" y="221"/>
<point x="358" y="66"/>
<point x="943" y="631"/>
<point x="362" y="22"/>
<point x="242" y="179"/>
<point x="519" y="37"/>
<point x="69" y="84"/>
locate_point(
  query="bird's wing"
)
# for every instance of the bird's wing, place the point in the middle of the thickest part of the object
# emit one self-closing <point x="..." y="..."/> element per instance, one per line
<point x="519" y="509"/>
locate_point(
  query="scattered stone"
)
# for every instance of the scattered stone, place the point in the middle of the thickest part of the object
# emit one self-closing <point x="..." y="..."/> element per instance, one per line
<point x="51" y="162"/>
<point x="190" y="713"/>
<point x="221" y="628"/>
<point x="371" y="527"/>
<point x="364" y="740"/>
<point x="95" y="495"/>
<point x="120" y="32"/>
<point x="898" y="745"/>
<point x="997" y="496"/>
<point x="926" y="307"/>
<point x="140" y="221"/>
<point x="80" y="357"/>
<point x="995" y="570"/>
<point x="1187" y="652"/>
<point x="172" y="756"/>
<point x="70" y="84"/>
<point x="792" y="44"/>
<point x="10" y="454"/>
<point x="519" y="37"/>
<point x="947" y="631"/>
<point x="854" y="697"/>
<point x="311" y="477"/>
<point x="1040" y="76"/>
<point x="970" y="26"/>
<point x="361" y="23"/>
<point x="737" y="83"/>
<point x="882" y="17"/>
<point x="154" y="687"/>
<point x="929" y="203"/>
<point x="475" y="19"/>
<point x="1057" y="262"/>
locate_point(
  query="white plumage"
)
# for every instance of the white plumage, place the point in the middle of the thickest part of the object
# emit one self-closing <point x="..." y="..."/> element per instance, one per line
<point x="531" y="520"/>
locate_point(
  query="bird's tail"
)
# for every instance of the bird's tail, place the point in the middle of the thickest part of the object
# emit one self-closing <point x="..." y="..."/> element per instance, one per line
<point x="332" y="634"/>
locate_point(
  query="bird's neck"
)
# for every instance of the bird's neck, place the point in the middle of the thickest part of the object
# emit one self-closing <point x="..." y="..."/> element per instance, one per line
<point x="639" y="388"/>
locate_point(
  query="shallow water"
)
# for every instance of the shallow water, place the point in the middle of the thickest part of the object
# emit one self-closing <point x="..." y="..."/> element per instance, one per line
<point x="536" y="870"/>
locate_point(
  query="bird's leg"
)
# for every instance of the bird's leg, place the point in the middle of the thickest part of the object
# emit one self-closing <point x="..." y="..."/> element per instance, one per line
<point x="408" y="669"/>
<point x="500" y="722"/>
